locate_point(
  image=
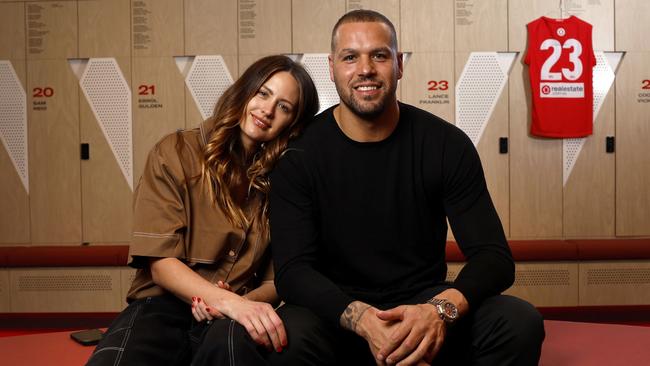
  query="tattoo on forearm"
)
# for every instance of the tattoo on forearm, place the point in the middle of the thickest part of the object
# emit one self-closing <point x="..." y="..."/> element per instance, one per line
<point x="352" y="314"/>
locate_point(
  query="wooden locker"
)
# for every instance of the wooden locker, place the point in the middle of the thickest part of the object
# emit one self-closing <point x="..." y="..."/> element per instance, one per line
<point x="157" y="28"/>
<point x="535" y="168"/>
<point x="211" y="27"/>
<point x="522" y="12"/>
<point x="632" y="25"/>
<point x="245" y="60"/>
<point x="600" y="14"/>
<point x="104" y="28"/>
<point x="427" y="25"/>
<point x="614" y="283"/>
<point x="589" y="206"/>
<point x="54" y="165"/>
<point x="481" y="25"/>
<point x="14" y="216"/>
<point x="264" y="27"/>
<point x="106" y="193"/>
<point x="428" y="83"/>
<point x="389" y="8"/>
<point x="546" y="283"/>
<point x="632" y="153"/>
<point x="495" y="164"/>
<point x="312" y="24"/>
<point x="158" y="105"/>
<point x="193" y="116"/>
<point x="12" y="31"/>
<point x="5" y="293"/>
<point x="72" y="289"/>
<point x="52" y="29"/>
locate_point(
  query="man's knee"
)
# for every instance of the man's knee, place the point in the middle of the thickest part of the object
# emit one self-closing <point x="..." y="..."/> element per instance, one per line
<point x="516" y="322"/>
<point x="525" y="321"/>
<point x="310" y="339"/>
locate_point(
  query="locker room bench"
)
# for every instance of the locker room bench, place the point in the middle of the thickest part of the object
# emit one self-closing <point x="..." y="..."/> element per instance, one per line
<point x="524" y="251"/>
<point x="609" y="259"/>
<point x="567" y="343"/>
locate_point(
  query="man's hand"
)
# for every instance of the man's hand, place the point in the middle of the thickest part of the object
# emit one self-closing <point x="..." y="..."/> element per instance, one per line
<point x="362" y="319"/>
<point x="417" y="336"/>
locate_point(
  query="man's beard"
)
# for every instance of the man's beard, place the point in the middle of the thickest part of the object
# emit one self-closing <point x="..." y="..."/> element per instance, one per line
<point x="365" y="110"/>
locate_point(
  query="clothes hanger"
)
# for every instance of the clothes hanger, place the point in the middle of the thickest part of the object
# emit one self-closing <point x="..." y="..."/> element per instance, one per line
<point x="559" y="13"/>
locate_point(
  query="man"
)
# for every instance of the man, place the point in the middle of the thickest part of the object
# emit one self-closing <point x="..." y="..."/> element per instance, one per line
<point x="358" y="224"/>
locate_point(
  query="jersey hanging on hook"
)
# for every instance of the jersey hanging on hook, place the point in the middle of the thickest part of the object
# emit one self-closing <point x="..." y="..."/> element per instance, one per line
<point x="561" y="58"/>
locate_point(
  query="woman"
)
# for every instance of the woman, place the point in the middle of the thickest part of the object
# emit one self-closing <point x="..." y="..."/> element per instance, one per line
<point x="200" y="221"/>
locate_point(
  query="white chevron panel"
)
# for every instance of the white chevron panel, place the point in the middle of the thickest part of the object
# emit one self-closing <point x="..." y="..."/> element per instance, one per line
<point x="603" y="78"/>
<point x="318" y="67"/>
<point x="109" y="97"/>
<point x="478" y="89"/>
<point x="207" y="80"/>
<point x="13" y="120"/>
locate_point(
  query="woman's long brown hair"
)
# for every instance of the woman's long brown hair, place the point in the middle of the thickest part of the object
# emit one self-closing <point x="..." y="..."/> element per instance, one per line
<point x="224" y="159"/>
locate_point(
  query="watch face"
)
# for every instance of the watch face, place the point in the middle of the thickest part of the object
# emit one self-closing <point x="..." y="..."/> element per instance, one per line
<point x="450" y="310"/>
<point x="447" y="310"/>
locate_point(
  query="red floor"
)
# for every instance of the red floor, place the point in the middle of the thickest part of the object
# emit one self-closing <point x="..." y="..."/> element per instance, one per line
<point x="566" y="344"/>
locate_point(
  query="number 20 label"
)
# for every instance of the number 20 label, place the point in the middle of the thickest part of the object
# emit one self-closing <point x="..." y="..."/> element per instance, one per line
<point x="574" y="58"/>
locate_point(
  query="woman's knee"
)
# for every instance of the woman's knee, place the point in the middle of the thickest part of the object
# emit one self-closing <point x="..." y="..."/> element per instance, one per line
<point x="221" y="341"/>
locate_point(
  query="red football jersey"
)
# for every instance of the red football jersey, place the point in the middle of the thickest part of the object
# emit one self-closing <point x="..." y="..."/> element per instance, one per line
<point x="561" y="58"/>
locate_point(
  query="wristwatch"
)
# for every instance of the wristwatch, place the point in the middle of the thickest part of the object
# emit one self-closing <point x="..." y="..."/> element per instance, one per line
<point x="446" y="309"/>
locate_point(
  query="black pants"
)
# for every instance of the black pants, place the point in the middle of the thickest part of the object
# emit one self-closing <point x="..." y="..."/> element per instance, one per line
<point x="503" y="330"/>
<point x="161" y="331"/>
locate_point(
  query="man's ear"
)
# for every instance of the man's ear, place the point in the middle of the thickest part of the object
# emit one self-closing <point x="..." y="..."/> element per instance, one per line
<point x="330" y="61"/>
<point x="400" y="65"/>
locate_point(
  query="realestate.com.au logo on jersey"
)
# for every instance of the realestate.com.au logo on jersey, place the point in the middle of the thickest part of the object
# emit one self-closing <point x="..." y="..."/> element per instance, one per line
<point x="562" y="90"/>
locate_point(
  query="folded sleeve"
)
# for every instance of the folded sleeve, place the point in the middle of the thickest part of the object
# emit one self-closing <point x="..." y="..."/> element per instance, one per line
<point x="160" y="212"/>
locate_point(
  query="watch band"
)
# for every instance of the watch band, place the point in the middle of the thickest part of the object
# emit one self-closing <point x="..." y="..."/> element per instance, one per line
<point x="446" y="309"/>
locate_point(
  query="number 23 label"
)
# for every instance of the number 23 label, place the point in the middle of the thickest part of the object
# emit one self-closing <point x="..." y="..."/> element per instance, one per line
<point x="574" y="58"/>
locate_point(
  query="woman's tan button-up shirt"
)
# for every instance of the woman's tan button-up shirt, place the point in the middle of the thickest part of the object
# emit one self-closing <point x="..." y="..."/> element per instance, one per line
<point x="175" y="217"/>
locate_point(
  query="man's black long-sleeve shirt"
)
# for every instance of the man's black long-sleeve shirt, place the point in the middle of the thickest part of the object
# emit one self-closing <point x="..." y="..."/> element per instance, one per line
<point x="367" y="221"/>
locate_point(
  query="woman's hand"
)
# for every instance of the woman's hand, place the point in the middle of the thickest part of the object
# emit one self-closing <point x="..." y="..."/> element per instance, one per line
<point x="201" y="311"/>
<point x="260" y="320"/>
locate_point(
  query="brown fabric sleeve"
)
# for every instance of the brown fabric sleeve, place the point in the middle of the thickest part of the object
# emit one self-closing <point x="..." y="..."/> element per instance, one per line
<point x="160" y="217"/>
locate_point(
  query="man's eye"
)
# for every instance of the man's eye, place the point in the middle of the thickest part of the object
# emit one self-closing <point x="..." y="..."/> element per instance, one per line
<point x="348" y="58"/>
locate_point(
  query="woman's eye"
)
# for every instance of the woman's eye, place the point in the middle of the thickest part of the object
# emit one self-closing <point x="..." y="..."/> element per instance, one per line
<point x="262" y="93"/>
<point x="285" y="108"/>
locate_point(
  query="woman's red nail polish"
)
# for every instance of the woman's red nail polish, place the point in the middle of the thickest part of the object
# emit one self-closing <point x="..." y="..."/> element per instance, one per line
<point x="207" y="309"/>
<point x="279" y="349"/>
<point x="198" y="299"/>
<point x="193" y="298"/>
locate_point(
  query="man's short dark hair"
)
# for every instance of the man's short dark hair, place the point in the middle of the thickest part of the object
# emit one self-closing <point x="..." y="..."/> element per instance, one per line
<point x="365" y="16"/>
